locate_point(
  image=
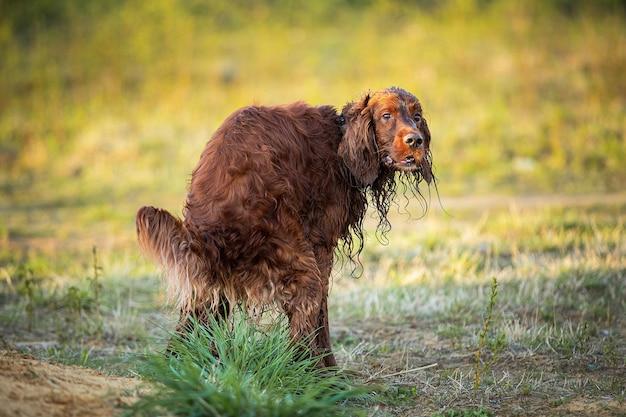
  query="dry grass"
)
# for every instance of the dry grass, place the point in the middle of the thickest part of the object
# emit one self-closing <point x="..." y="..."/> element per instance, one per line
<point x="556" y="336"/>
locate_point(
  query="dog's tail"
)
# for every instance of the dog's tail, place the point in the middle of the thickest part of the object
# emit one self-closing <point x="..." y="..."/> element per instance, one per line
<point x="183" y="257"/>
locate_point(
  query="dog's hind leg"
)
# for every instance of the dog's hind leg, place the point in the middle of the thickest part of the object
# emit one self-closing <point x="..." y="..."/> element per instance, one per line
<point x="303" y="297"/>
<point x="324" y="257"/>
<point x="303" y="307"/>
<point x="322" y="337"/>
<point x="202" y="316"/>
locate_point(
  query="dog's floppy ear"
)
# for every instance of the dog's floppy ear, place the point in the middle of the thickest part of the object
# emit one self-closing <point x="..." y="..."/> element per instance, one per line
<point x="358" y="147"/>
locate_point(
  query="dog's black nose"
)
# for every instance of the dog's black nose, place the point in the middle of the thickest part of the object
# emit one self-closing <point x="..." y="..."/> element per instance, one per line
<point x="414" y="140"/>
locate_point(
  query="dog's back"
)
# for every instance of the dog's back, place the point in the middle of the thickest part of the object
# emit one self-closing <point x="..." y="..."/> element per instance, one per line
<point x="263" y="168"/>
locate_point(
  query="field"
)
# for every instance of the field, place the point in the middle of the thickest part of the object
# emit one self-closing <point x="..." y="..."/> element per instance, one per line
<point x="507" y="298"/>
<point x="554" y="344"/>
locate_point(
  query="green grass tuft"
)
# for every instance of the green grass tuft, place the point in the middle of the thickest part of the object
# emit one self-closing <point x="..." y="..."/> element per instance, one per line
<point x="239" y="369"/>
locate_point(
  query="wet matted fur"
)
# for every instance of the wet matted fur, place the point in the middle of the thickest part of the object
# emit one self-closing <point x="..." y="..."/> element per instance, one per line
<point x="276" y="192"/>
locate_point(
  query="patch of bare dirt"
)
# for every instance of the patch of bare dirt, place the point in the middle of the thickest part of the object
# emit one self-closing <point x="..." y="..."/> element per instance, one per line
<point x="591" y="407"/>
<point x="30" y="388"/>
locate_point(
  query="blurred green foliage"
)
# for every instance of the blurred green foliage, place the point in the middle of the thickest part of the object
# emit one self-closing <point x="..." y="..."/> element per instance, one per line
<point x="115" y="99"/>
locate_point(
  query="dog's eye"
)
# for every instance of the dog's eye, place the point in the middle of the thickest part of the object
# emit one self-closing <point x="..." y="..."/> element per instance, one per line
<point x="417" y="117"/>
<point x="387" y="116"/>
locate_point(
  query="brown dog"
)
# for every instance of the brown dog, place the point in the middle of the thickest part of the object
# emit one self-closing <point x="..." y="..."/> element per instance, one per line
<point x="275" y="191"/>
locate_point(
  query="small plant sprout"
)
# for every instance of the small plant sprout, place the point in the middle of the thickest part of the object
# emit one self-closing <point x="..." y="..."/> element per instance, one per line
<point x="479" y="367"/>
<point x="96" y="289"/>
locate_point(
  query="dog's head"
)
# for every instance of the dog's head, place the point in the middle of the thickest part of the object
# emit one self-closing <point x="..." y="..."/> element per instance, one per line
<point x="386" y="131"/>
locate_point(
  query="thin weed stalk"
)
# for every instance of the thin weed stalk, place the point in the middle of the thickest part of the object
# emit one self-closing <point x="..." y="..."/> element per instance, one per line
<point x="96" y="289"/>
<point x="479" y="367"/>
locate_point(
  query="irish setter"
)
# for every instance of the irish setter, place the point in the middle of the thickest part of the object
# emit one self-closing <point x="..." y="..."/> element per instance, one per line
<point x="275" y="192"/>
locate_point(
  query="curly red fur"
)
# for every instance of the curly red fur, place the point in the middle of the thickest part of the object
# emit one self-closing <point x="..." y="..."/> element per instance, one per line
<point x="276" y="190"/>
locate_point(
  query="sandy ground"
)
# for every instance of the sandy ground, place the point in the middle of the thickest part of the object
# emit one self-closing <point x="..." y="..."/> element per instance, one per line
<point x="32" y="388"/>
